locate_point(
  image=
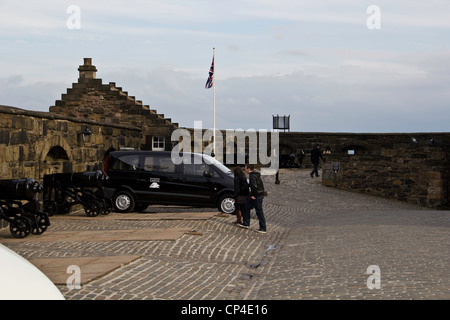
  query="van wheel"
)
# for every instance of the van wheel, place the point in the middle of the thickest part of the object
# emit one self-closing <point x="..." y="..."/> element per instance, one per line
<point x="123" y="201"/>
<point x="226" y="204"/>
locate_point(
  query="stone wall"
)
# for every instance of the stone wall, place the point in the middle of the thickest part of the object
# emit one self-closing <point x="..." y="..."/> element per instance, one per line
<point x="406" y="167"/>
<point x="33" y="143"/>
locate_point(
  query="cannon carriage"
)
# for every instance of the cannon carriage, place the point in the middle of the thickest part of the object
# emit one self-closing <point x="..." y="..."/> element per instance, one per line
<point x="64" y="190"/>
<point x="19" y="207"/>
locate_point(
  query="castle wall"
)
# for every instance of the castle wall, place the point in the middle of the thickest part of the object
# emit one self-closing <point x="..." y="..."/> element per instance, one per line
<point x="408" y="167"/>
<point x="37" y="143"/>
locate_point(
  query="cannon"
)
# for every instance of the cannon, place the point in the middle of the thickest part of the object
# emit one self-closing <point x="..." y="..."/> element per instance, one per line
<point x="19" y="207"/>
<point x="292" y="160"/>
<point x="64" y="190"/>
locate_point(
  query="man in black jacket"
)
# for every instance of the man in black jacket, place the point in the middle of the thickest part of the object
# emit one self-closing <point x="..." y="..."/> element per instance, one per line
<point x="315" y="156"/>
<point x="255" y="200"/>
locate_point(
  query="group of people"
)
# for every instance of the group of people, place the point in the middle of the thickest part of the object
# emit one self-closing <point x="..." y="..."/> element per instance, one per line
<point x="249" y="194"/>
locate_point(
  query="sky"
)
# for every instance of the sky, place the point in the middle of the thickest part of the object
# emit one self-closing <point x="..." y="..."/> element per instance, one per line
<point x="332" y="66"/>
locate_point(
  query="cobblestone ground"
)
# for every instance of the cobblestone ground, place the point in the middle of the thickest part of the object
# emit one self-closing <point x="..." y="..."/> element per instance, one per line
<point x="319" y="245"/>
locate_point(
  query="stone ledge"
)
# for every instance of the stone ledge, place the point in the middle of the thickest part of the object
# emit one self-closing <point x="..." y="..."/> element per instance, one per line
<point x="55" y="116"/>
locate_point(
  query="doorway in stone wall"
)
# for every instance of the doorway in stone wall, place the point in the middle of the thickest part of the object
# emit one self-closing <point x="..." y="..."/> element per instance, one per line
<point x="56" y="161"/>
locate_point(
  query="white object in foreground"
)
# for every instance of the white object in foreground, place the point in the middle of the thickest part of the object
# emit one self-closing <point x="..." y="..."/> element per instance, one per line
<point x="21" y="280"/>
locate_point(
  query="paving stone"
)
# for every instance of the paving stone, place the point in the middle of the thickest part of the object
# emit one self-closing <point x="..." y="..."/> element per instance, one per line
<point x="319" y="244"/>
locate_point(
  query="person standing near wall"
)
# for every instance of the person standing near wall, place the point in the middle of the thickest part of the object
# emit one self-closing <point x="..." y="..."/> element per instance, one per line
<point x="316" y="155"/>
<point x="241" y="191"/>
<point x="255" y="200"/>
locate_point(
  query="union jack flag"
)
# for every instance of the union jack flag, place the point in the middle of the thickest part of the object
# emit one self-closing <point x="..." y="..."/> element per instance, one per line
<point x="210" y="82"/>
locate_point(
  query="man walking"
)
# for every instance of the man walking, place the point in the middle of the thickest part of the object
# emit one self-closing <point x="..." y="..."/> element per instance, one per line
<point x="255" y="200"/>
<point x="315" y="156"/>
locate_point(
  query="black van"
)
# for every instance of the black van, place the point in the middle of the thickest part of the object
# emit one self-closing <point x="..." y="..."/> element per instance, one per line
<point x="140" y="178"/>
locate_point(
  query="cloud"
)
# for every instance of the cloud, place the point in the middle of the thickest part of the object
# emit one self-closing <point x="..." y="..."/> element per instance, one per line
<point x="316" y="61"/>
<point x="35" y="96"/>
<point x="358" y="96"/>
<point x="301" y="53"/>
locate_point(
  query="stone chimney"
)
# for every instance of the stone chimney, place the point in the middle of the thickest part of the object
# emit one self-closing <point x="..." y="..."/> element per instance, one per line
<point x="87" y="70"/>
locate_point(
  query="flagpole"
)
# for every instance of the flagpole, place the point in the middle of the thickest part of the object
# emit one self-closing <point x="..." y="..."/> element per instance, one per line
<point x="214" y="102"/>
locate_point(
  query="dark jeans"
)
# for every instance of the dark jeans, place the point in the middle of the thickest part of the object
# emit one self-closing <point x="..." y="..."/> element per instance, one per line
<point x="315" y="171"/>
<point x="256" y="204"/>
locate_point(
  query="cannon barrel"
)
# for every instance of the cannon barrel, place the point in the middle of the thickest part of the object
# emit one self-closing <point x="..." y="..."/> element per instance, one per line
<point x="78" y="179"/>
<point x="89" y="179"/>
<point x="19" y="189"/>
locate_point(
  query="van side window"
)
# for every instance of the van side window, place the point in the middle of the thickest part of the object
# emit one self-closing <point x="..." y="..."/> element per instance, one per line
<point x="149" y="163"/>
<point x="127" y="163"/>
<point x="159" y="164"/>
<point x="166" y="165"/>
<point x="195" y="169"/>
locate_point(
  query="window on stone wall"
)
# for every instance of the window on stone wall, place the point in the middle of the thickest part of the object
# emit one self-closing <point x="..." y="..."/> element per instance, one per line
<point x="159" y="144"/>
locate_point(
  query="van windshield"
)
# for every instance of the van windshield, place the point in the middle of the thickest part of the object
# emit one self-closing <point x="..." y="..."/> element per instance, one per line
<point x="217" y="164"/>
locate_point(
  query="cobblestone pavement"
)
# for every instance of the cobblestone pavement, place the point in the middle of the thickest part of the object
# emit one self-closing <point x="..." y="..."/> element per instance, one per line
<point x="319" y="245"/>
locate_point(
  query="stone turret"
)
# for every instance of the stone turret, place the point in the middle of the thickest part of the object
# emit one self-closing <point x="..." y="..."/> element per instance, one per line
<point x="90" y="99"/>
<point x="87" y="70"/>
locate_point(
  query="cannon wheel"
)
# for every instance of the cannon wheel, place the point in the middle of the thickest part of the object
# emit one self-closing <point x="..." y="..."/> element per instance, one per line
<point x="64" y="207"/>
<point x="107" y="207"/>
<point x="42" y="223"/>
<point x="20" y="227"/>
<point x="92" y="208"/>
<point x="50" y="207"/>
